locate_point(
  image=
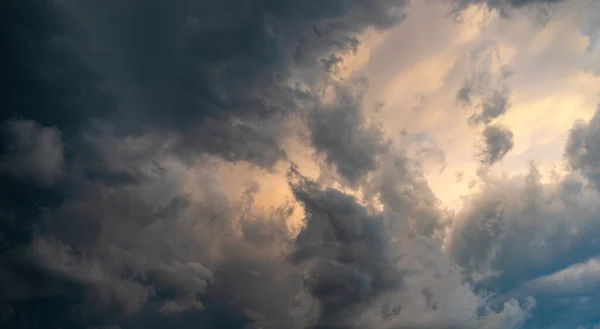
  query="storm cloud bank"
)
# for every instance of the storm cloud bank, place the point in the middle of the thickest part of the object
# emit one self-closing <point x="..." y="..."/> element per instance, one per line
<point x="120" y="113"/>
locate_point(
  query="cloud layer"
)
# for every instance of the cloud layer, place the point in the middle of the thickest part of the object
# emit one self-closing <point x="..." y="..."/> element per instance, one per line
<point x="117" y="209"/>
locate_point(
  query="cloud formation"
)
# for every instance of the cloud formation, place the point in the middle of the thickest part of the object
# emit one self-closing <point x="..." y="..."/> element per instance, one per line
<point x="508" y="4"/>
<point x="340" y="131"/>
<point x="33" y="151"/>
<point x="117" y="211"/>
<point x="581" y="149"/>
<point x="498" y="141"/>
<point x="191" y="72"/>
<point x="492" y="107"/>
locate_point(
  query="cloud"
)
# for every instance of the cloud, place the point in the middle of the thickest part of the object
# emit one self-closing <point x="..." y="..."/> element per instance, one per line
<point x="127" y="256"/>
<point x="123" y="118"/>
<point x="132" y="93"/>
<point x="340" y="131"/>
<point x="492" y="108"/>
<point x="574" y="289"/>
<point x="365" y="270"/>
<point x="486" y="84"/>
<point x="534" y="237"/>
<point x="485" y="88"/>
<point x="183" y="71"/>
<point x="498" y="141"/>
<point x="346" y="250"/>
<point x="507" y="4"/>
<point x="423" y="147"/>
<point x="124" y="255"/>
<point x="33" y="152"/>
<point x="506" y="215"/>
<point x="463" y="96"/>
<point x="581" y="151"/>
<point x="487" y="72"/>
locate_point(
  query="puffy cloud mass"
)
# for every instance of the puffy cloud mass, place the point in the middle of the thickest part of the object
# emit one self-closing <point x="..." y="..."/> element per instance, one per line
<point x="206" y="164"/>
<point x="497" y="142"/>
<point x="581" y="150"/>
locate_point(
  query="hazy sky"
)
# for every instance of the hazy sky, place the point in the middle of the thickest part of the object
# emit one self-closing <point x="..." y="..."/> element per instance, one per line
<point x="314" y="164"/>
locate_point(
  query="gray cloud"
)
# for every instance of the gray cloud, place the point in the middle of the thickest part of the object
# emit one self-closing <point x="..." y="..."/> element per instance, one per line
<point x="492" y="107"/>
<point x="406" y="196"/>
<point x="581" y="149"/>
<point x="33" y="152"/>
<point x="497" y="142"/>
<point x="341" y="133"/>
<point x="463" y="95"/>
<point x="526" y="237"/>
<point x="130" y="89"/>
<point x="171" y="78"/>
<point x="129" y="255"/>
<point x="366" y="271"/>
<point x="129" y="94"/>
<point x="506" y="216"/>
<point x="162" y="61"/>
<point x="507" y="4"/>
<point x="347" y="253"/>
<point x="485" y="87"/>
<point x="514" y="232"/>
<point x="181" y="70"/>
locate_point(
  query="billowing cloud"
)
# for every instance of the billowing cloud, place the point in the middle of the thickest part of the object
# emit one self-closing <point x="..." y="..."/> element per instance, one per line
<point x="340" y="131"/>
<point x="191" y="72"/>
<point x="516" y="238"/>
<point x="581" y="149"/>
<point x="497" y="142"/>
<point x="163" y="166"/>
<point x="485" y="86"/>
<point x="492" y="107"/>
<point x="129" y="262"/>
<point x="486" y="90"/>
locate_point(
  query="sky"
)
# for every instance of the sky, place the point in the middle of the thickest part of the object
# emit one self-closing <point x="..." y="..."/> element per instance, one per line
<point x="287" y="164"/>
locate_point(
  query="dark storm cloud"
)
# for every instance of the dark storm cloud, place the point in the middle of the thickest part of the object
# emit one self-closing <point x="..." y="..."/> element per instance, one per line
<point x="133" y="256"/>
<point x="141" y="255"/>
<point x="32" y="152"/>
<point x="130" y="254"/>
<point x="340" y="131"/>
<point x="118" y="98"/>
<point x="364" y="269"/>
<point x="497" y="142"/>
<point x="347" y="253"/>
<point x="185" y="69"/>
<point x="199" y="67"/>
<point x="582" y="149"/>
<point x="402" y="189"/>
<point x="105" y="96"/>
